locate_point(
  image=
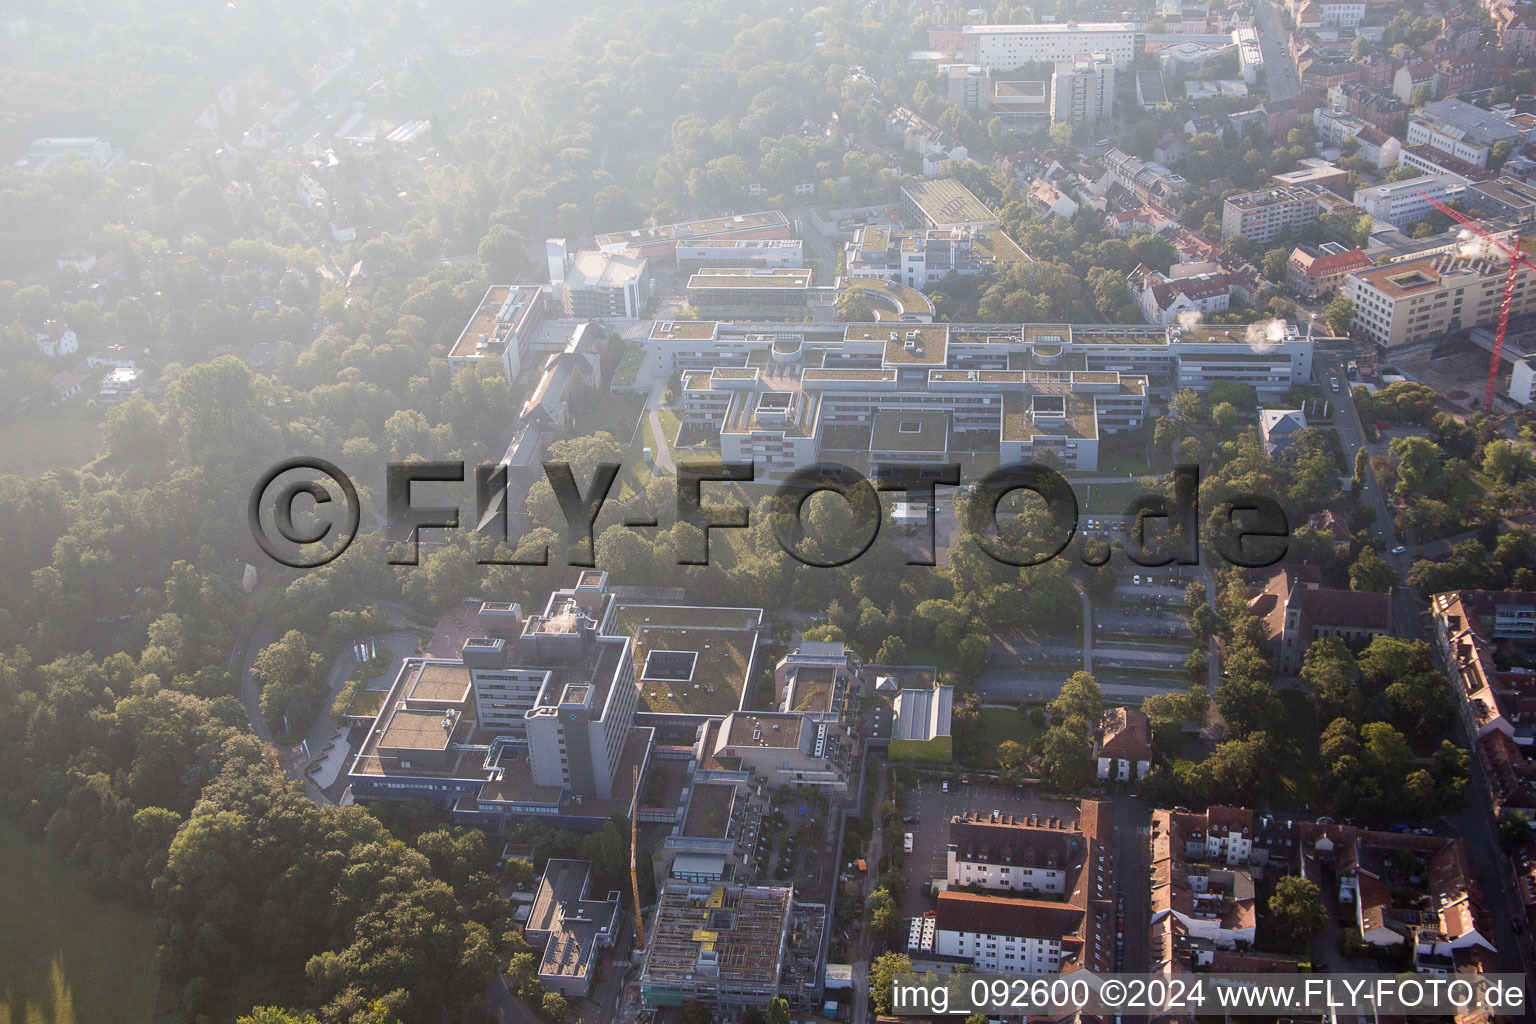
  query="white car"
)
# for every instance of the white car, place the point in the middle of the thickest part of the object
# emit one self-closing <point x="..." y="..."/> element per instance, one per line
<point x="1333" y="382"/>
<point x="1399" y="549"/>
<point x="1136" y="580"/>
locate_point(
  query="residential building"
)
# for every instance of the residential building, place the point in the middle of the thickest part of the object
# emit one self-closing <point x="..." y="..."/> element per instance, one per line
<point x="1516" y="26"/>
<point x="1046" y="199"/>
<point x="120" y="384"/>
<point x="1415" y="299"/>
<point x="1421" y="890"/>
<point x="1164" y="300"/>
<point x="501" y="328"/>
<point x="1003" y="47"/>
<point x="1412" y="76"/>
<point x="1278" y="428"/>
<point x="663" y="239"/>
<point x="1072" y="861"/>
<point x="1267" y="214"/>
<point x="1426" y="159"/>
<point x="598" y="284"/>
<point x="946" y="203"/>
<point x="917" y="259"/>
<point x="1314" y="272"/>
<point x="1497" y="700"/>
<point x="721" y="945"/>
<point x="1143" y="182"/>
<point x="1202" y="879"/>
<point x="1123" y="748"/>
<point x="1333" y="525"/>
<point x="1506" y="198"/>
<point x="1377" y="108"/>
<point x="55" y="338"/>
<point x="917" y="134"/>
<point x="1297" y="610"/>
<point x="1403" y="203"/>
<point x="570" y="926"/>
<point x="1083" y="89"/>
<point x="969" y="85"/>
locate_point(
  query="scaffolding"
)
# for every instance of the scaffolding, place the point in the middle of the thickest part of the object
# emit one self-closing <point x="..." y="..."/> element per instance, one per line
<point x="721" y="945"/>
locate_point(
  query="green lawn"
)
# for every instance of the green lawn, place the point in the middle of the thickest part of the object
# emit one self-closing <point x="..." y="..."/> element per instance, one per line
<point x="65" y="436"/>
<point x="997" y="725"/>
<point x="66" y="957"/>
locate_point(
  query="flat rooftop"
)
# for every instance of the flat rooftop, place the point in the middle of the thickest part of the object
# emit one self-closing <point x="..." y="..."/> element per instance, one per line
<point x="721" y="641"/>
<point x="695" y="229"/>
<point x="902" y="431"/>
<point x="417" y="730"/>
<point x="684" y="330"/>
<point x="779" y="278"/>
<point x="947" y="201"/>
<point x="436" y="682"/>
<point x="764" y="729"/>
<point x="709" y="811"/>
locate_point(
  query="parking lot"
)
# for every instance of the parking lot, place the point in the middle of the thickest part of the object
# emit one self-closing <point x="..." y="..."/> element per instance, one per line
<point x="930" y="832"/>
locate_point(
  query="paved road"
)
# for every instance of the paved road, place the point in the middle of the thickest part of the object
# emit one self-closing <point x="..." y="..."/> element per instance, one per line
<point x="1280" y="76"/>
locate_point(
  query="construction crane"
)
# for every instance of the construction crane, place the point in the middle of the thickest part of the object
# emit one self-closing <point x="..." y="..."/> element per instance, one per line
<point x="1517" y="259"/>
<point x="634" y="874"/>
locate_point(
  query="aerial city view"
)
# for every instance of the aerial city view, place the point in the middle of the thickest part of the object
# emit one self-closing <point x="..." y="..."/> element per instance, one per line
<point x="729" y="512"/>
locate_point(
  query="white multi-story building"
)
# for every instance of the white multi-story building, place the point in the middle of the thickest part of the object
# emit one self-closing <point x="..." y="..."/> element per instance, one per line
<point x="1004" y="47"/>
<point x="1066" y="867"/>
<point x="1250" y="57"/>
<point x="1265" y="215"/>
<point x="1083" y="89"/>
<point x="1200" y="876"/>
<point x="1402" y="203"/>
<point x="1409" y="301"/>
<point x="1460" y="129"/>
<point x="913" y="258"/>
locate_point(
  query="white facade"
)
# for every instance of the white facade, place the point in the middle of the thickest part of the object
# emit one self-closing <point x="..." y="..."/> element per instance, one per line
<point x="1250" y="56"/>
<point x="1004" y="47"/>
<point x="1002" y="953"/>
<point x="1014" y="877"/>
<point x="1402" y="203"/>
<point x="1083" y="89"/>
<point x="1522" y="381"/>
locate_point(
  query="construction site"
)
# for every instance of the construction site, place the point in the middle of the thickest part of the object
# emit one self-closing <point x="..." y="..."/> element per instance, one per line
<point x="722" y="945"/>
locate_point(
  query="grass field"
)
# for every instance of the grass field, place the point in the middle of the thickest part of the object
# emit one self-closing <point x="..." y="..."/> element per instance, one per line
<point x="997" y="725"/>
<point x="64" y="436"/>
<point x="66" y="957"/>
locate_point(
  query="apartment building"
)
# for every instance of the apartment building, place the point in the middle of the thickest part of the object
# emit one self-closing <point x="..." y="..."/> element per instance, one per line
<point x="1316" y="272"/>
<point x="1403" y="203"/>
<point x="1143" y="182"/>
<point x="1004" y="47"/>
<point x="1163" y="299"/>
<point x="1072" y="861"/>
<point x="1265" y="215"/>
<point x="1497" y="701"/>
<point x="968" y="86"/>
<point x="917" y="259"/>
<point x="1123" y="745"/>
<point x="1415" y="299"/>
<point x="1201" y="875"/>
<point x="1083" y="89"/>
<point x="1404" y="889"/>
<point x="534" y="718"/>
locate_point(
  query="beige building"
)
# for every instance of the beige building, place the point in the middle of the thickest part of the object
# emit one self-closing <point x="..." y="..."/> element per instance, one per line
<point x="1402" y="303"/>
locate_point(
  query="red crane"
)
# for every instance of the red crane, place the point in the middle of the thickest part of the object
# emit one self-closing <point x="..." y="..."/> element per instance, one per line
<point x="1517" y="259"/>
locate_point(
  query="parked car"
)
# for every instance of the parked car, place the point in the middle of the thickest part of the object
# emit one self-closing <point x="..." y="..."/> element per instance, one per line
<point x="1399" y="549"/>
